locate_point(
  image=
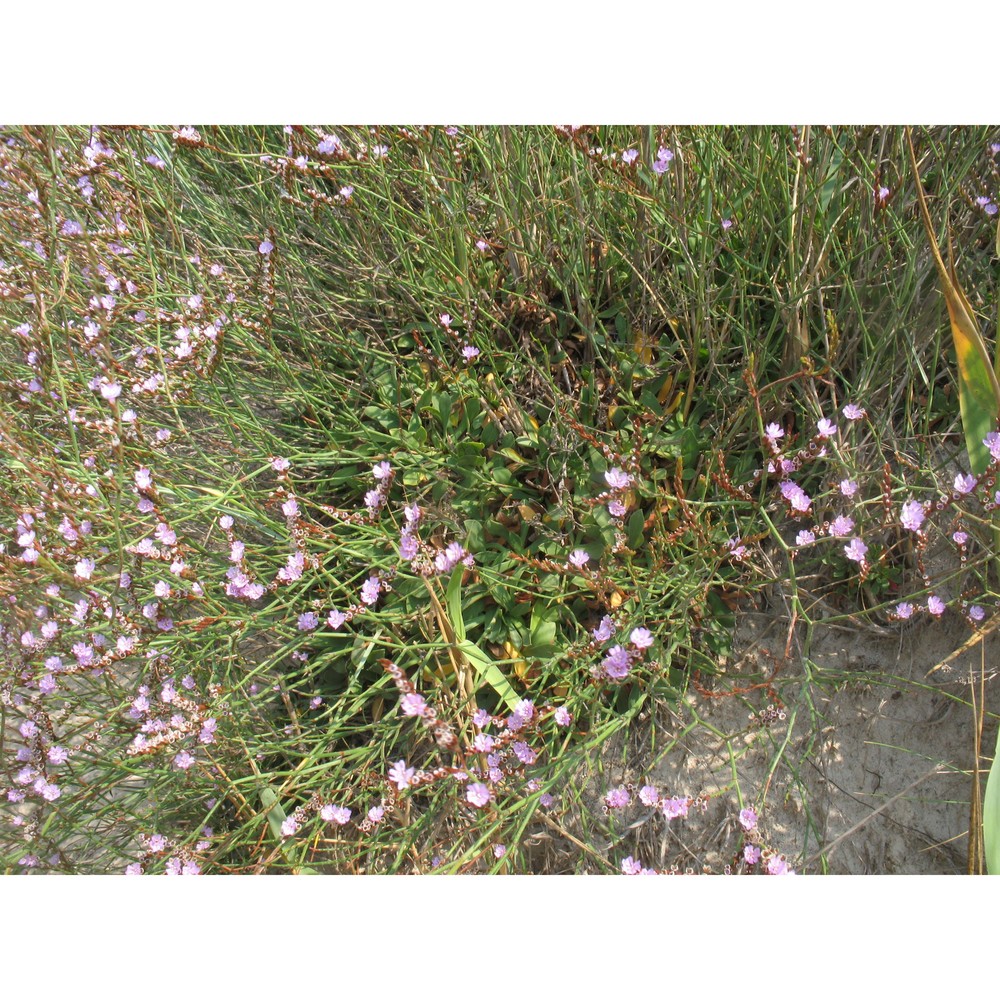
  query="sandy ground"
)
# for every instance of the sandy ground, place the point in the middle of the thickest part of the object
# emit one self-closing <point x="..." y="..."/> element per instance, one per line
<point x="869" y="771"/>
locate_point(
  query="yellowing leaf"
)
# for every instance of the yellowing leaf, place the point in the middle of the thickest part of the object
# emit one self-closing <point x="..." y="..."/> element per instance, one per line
<point x="978" y="389"/>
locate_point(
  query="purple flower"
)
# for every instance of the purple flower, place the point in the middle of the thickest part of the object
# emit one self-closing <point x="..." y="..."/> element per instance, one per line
<point x="630" y="866"/>
<point x="663" y="158"/>
<point x="804" y="537"/>
<point x="736" y="550"/>
<point x="84" y="569"/>
<point x="617" y="663"/>
<point x="774" y="431"/>
<point x="826" y="428"/>
<point x="881" y="195"/>
<point x="959" y="537"/>
<point x="382" y="471"/>
<point x="935" y="605"/>
<point x="289" y="827"/>
<point x="649" y="796"/>
<point x="183" y="760"/>
<point x="308" y="621"/>
<point x="904" y="610"/>
<point x="616" y="508"/>
<point x="111" y="391"/>
<point x="976" y="613"/>
<point x="992" y="441"/>
<point x="853" y="412"/>
<point x="290" y="508"/>
<point x="778" y="866"/>
<point x="408" y="546"/>
<point x="848" y="487"/>
<point x="469" y="352"/>
<point x="672" y="808"/>
<point x="726" y="224"/>
<point x="629" y="156"/>
<point x="617" y="479"/>
<point x="265" y="247"/>
<point x="562" y="716"/>
<point x="751" y="854"/>
<point x="912" y="515"/>
<point x="328" y="144"/>
<point x="964" y="484"/>
<point x="336" y="619"/>
<point x="579" y="558"/>
<point x="618" y="798"/>
<point x="748" y="818"/>
<point x="401" y="774"/>
<point x="479" y="795"/>
<point x="841" y="527"/>
<point x="370" y="590"/>
<point x="605" y="630"/>
<point x="335" y="814"/>
<point x="855" y="550"/>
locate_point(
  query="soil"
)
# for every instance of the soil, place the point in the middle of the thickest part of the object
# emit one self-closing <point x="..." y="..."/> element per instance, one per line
<point x="868" y="769"/>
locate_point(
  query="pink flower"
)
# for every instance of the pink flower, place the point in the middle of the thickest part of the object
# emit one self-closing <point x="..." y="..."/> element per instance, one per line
<point x="826" y="428"/>
<point x="579" y="558"/>
<point x="616" y="508"/>
<point x="413" y="704"/>
<point x="617" y="479"/>
<point x="848" y="487"/>
<point x="748" y="818"/>
<point x="641" y="638"/>
<point x="804" y="538"/>
<point x="855" y="550"/>
<point x="335" y="814"/>
<point x="265" y="247"/>
<point x="912" y="515"/>
<point x="935" y="605"/>
<point x="479" y="795"/>
<point x="401" y="774"/>
<point x="774" y="431"/>
<point x="853" y="412"/>
<point x="370" y="590"/>
<point x="618" y="798"/>
<point x="562" y="716"/>
<point x="382" y="471"/>
<point x="904" y="610"/>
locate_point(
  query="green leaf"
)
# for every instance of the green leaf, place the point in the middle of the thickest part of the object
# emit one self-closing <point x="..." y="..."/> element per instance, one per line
<point x="991" y="815"/>
<point x="275" y="814"/>
<point x="489" y="672"/>
<point x="453" y="602"/>
<point x="978" y="388"/>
